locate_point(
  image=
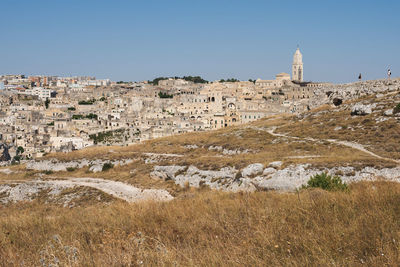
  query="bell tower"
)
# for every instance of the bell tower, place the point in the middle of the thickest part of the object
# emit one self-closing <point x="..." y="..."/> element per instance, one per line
<point x="297" y="66"/>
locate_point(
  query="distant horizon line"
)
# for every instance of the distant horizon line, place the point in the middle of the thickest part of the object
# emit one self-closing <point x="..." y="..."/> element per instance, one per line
<point x="214" y="80"/>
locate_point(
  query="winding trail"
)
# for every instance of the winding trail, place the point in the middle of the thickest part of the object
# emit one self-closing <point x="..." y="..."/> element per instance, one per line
<point x="117" y="189"/>
<point x="352" y="145"/>
<point x="21" y="191"/>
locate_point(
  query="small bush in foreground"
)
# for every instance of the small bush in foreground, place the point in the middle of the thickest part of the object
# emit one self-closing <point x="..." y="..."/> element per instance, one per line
<point x="107" y="166"/>
<point x="326" y="182"/>
<point x="396" y="109"/>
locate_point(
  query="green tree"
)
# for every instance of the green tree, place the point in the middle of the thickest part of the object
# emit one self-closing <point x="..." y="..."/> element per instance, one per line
<point x="194" y="79"/>
<point x="88" y="102"/>
<point x="156" y="80"/>
<point x="164" y="95"/>
<point x="20" y="150"/>
<point x="231" y="80"/>
<point x="77" y="117"/>
<point x="92" y="116"/>
<point x="46" y="103"/>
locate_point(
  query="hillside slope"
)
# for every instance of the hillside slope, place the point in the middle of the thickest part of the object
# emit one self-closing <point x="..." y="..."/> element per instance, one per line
<point x="75" y="208"/>
<point x="358" y="139"/>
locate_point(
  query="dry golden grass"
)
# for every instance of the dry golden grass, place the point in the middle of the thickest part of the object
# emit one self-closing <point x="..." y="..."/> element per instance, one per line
<point x="381" y="138"/>
<point x="312" y="228"/>
<point x="19" y="173"/>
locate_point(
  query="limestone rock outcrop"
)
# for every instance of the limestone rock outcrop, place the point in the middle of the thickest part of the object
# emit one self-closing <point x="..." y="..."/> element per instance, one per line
<point x="362" y="110"/>
<point x="55" y="165"/>
<point x="252" y="169"/>
<point x="286" y="179"/>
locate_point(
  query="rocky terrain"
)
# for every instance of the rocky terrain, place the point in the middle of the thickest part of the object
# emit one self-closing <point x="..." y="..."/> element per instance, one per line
<point x="339" y="93"/>
<point x="255" y="177"/>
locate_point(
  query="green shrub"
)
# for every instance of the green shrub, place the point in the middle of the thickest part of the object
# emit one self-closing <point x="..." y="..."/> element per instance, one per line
<point x="107" y="136"/>
<point x="71" y="169"/>
<point x="232" y="80"/>
<point x="20" y="150"/>
<point x="92" y="116"/>
<point x="238" y="176"/>
<point x="326" y="182"/>
<point x="88" y="102"/>
<point x="164" y="95"/>
<point x="107" y="166"/>
<point x="77" y="117"/>
<point x="396" y="109"/>
<point x="16" y="160"/>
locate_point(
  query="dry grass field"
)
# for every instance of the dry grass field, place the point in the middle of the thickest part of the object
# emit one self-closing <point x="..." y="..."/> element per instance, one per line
<point x="205" y="228"/>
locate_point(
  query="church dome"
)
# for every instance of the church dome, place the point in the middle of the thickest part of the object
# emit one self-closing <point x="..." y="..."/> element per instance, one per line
<point x="298" y="57"/>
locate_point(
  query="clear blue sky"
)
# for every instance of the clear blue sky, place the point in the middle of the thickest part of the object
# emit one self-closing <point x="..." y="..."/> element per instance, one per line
<point x="141" y="40"/>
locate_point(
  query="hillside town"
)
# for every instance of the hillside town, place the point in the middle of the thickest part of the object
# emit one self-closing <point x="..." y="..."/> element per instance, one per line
<point x="43" y="114"/>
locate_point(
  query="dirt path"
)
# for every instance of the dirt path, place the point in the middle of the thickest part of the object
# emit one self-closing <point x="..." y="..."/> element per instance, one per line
<point x="27" y="190"/>
<point x="352" y="145"/>
<point x="118" y="189"/>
